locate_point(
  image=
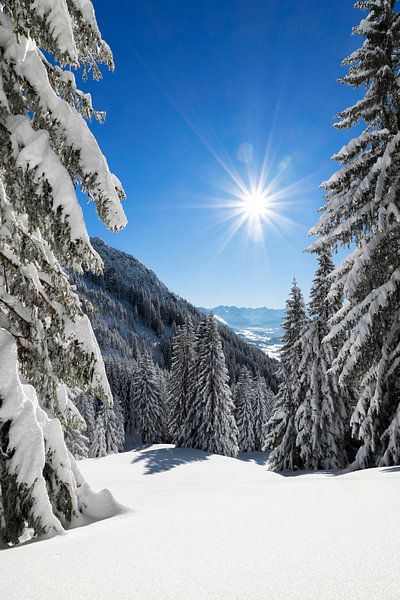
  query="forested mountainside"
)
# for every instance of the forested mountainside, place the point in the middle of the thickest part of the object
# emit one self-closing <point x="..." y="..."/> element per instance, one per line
<point x="133" y="312"/>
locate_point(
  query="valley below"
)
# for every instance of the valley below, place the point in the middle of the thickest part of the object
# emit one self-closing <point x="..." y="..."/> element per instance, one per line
<point x="261" y="327"/>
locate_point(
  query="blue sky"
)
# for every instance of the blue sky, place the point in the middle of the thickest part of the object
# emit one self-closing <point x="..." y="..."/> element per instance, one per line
<point x="194" y="81"/>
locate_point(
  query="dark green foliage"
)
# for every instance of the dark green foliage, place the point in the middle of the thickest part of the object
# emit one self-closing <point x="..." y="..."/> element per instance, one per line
<point x="15" y="498"/>
<point x="59" y="493"/>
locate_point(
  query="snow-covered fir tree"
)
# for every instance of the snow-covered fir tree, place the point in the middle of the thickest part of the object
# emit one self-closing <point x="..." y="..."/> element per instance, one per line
<point x="244" y="411"/>
<point x="322" y="420"/>
<point x="115" y="431"/>
<point x="210" y="424"/>
<point x="362" y="211"/>
<point x="77" y="441"/>
<point x="149" y="406"/>
<point x="281" y="430"/>
<point x="86" y="406"/>
<point x="109" y="435"/>
<point x="263" y="399"/>
<point x="120" y="374"/>
<point x="98" y="446"/>
<point x="163" y="383"/>
<point x="180" y="379"/>
<point x="46" y="149"/>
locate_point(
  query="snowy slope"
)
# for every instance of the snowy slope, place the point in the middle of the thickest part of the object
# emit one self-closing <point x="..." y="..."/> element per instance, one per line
<point x="213" y="528"/>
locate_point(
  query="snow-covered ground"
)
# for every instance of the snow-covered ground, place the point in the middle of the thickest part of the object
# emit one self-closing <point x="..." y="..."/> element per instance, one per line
<point x="210" y="527"/>
<point x="265" y="338"/>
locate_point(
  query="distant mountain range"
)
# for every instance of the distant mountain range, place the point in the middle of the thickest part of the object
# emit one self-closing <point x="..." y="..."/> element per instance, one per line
<point x="260" y="327"/>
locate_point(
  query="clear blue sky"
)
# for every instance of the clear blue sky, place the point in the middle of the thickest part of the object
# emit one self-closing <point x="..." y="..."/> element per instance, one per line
<point x="193" y="81"/>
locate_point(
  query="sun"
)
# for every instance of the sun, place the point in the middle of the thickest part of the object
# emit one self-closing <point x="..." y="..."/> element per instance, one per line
<point x="252" y="209"/>
<point x="254" y="199"/>
<point x="255" y="204"/>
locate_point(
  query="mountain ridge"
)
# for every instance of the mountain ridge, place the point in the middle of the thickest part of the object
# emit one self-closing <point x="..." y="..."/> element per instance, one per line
<point x="247" y="315"/>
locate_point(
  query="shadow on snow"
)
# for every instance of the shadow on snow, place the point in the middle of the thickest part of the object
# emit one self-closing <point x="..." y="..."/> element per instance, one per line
<point x="158" y="460"/>
<point x="391" y="469"/>
<point x="259" y="458"/>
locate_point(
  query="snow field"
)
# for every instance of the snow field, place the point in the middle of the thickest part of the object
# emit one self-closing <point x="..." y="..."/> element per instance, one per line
<point x="214" y="528"/>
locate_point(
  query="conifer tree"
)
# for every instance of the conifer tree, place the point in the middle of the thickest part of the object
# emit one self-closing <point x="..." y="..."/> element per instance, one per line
<point x="263" y="399"/>
<point x="46" y="149"/>
<point x="120" y="375"/>
<point x="98" y="446"/>
<point x="135" y="348"/>
<point x="281" y="431"/>
<point x="362" y="211"/>
<point x="149" y="406"/>
<point x="86" y="406"/>
<point x="179" y="381"/>
<point x="118" y="427"/>
<point x="75" y="436"/>
<point x="322" y="419"/>
<point x="210" y="423"/>
<point x="244" y="411"/>
<point x="109" y="436"/>
<point x="163" y="383"/>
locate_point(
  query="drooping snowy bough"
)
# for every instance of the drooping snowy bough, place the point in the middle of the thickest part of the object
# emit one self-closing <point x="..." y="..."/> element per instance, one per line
<point x="46" y="150"/>
<point x="42" y="490"/>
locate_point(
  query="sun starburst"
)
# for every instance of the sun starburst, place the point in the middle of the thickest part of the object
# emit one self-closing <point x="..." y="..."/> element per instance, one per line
<point x="254" y="205"/>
